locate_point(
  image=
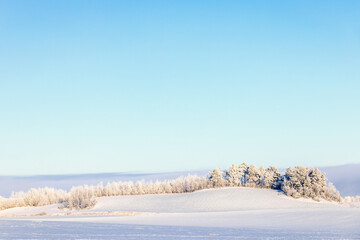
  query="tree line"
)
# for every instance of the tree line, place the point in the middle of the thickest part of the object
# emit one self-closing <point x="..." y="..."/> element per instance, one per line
<point x="81" y="197"/>
<point x="297" y="182"/>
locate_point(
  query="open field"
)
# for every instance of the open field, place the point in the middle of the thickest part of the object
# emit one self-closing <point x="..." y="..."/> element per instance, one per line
<point x="81" y="230"/>
<point x="228" y="213"/>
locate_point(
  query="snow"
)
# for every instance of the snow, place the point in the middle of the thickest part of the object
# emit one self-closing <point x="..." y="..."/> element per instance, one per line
<point x="80" y="230"/>
<point x="227" y="213"/>
<point x="210" y="200"/>
<point x="33" y="211"/>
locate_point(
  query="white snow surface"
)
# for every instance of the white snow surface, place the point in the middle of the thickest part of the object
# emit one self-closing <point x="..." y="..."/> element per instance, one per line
<point x="210" y="200"/>
<point x="227" y="213"/>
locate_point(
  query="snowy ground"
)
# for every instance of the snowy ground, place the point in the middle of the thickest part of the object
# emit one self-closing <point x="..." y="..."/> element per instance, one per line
<point x="229" y="213"/>
<point x="79" y="230"/>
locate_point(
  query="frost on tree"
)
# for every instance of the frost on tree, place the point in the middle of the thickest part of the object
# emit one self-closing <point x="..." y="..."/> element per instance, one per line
<point x="297" y="182"/>
<point x="233" y="176"/>
<point x="242" y="169"/>
<point x="215" y="178"/>
<point x="271" y="178"/>
<point x="253" y="176"/>
<point x="308" y="183"/>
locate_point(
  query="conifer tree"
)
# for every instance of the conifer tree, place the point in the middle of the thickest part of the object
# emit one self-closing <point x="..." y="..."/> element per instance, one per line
<point x="215" y="178"/>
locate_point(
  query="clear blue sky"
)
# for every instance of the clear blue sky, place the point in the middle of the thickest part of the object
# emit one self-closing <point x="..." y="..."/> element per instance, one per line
<point x="112" y="86"/>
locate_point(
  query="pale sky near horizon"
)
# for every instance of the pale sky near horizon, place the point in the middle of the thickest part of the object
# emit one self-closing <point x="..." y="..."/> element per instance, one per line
<point x="114" y="86"/>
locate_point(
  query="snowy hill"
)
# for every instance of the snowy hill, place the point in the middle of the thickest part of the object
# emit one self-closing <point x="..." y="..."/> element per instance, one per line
<point x="228" y="203"/>
<point x="210" y="200"/>
<point x="266" y="211"/>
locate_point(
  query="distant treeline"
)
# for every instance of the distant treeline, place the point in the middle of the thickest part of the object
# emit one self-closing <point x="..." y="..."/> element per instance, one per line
<point x="297" y="182"/>
<point x="81" y="197"/>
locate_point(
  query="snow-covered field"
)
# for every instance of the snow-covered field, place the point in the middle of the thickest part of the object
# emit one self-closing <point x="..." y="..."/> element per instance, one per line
<point x="81" y="230"/>
<point x="228" y="213"/>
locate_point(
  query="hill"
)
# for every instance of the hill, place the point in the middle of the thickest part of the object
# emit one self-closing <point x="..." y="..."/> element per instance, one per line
<point x="262" y="213"/>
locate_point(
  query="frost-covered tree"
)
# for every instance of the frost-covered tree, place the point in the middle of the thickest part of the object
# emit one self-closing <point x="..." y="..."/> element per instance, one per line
<point x="216" y="178"/>
<point x="140" y="187"/>
<point x="297" y="182"/>
<point x="6" y="203"/>
<point x="331" y="193"/>
<point x="242" y="169"/>
<point x="253" y="176"/>
<point x="352" y="199"/>
<point x="262" y="174"/>
<point x="308" y="183"/>
<point x="233" y="175"/>
<point x="272" y="178"/>
<point x="293" y="184"/>
<point x="81" y="197"/>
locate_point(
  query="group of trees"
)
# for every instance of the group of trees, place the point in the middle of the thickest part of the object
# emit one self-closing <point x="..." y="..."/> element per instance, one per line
<point x="246" y="176"/>
<point x="353" y="201"/>
<point x="297" y="182"/>
<point x="34" y="197"/>
<point x="308" y="183"/>
<point x="81" y="197"/>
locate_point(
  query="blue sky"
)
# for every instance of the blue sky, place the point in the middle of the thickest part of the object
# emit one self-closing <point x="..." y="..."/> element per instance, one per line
<point x="113" y="86"/>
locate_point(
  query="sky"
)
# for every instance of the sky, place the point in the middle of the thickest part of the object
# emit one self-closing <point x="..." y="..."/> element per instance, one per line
<point x="154" y="86"/>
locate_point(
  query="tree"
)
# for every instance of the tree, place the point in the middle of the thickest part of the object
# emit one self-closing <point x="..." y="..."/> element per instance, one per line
<point x="233" y="175"/>
<point x="308" y="183"/>
<point x="272" y="178"/>
<point x="253" y="176"/>
<point x="215" y="178"/>
<point x="242" y="169"/>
